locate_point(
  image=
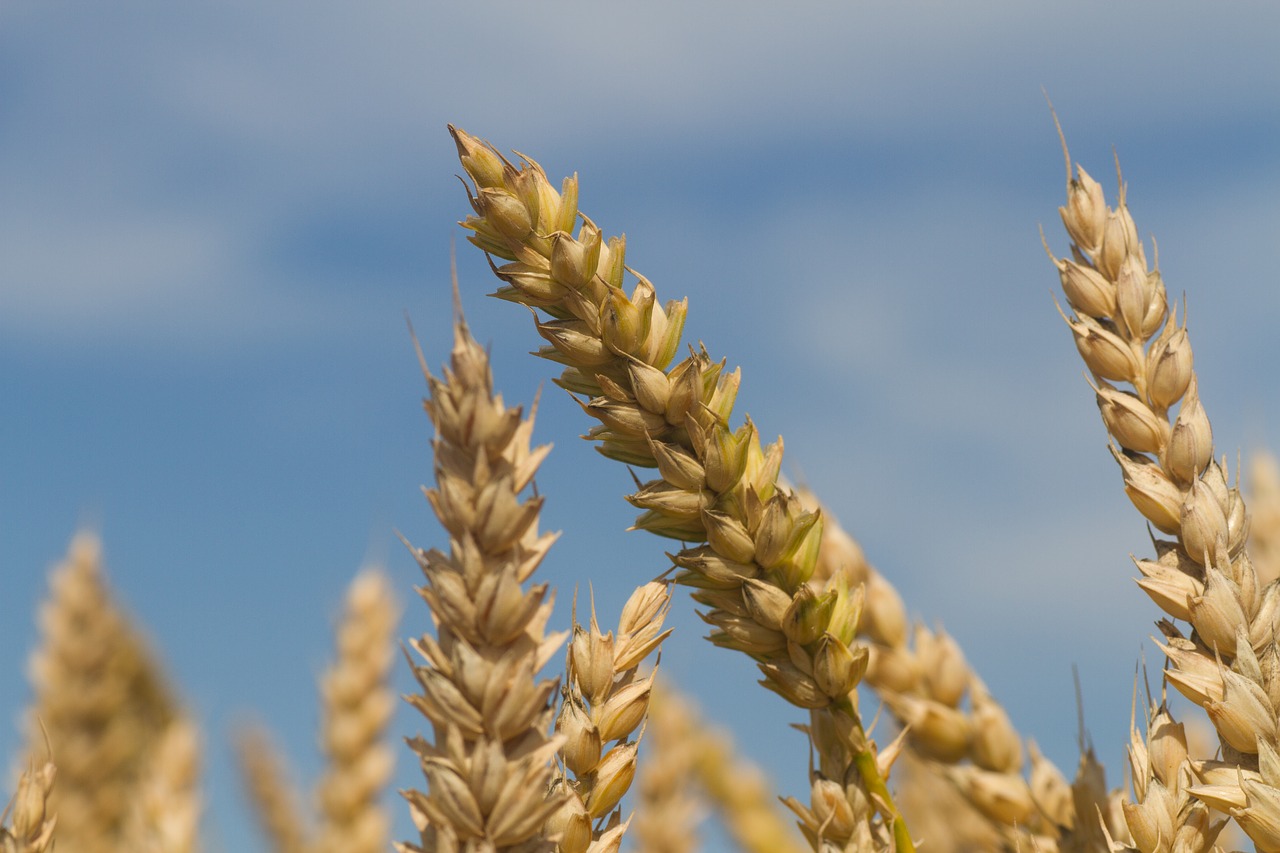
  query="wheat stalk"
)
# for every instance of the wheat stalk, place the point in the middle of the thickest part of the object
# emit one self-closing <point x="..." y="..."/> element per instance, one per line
<point x="358" y="705"/>
<point x="487" y="763"/>
<point x="716" y="485"/>
<point x="1127" y="333"/>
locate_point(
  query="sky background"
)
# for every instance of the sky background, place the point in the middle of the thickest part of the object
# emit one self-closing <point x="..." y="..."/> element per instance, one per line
<point x="214" y="218"/>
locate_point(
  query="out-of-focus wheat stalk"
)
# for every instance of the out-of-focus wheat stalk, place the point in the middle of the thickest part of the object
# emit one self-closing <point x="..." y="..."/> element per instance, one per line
<point x="272" y="795"/>
<point x="488" y="760"/>
<point x="358" y="703"/>
<point x="99" y="701"/>
<point x="27" y="823"/>
<point x="1129" y="335"/>
<point x="604" y="704"/>
<point x="716" y="485"/>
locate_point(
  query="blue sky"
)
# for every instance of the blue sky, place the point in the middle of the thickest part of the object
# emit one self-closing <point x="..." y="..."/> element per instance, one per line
<point x="215" y="218"/>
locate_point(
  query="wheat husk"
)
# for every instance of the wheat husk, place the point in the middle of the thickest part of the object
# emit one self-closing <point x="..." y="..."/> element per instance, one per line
<point x="28" y="823"/>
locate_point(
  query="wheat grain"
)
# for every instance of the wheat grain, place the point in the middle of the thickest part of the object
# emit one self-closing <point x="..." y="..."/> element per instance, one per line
<point x="716" y="485"/>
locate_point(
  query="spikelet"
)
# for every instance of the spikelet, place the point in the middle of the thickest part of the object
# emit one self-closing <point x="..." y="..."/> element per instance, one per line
<point x="31" y="828"/>
<point x="358" y="704"/>
<point x="488" y="758"/>
<point x="716" y="485"/>
<point x="99" y="699"/>
<point x="272" y="796"/>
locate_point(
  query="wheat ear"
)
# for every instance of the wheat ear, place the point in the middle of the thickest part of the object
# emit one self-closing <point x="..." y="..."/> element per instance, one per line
<point x="31" y="829"/>
<point x="488" y="761"/>
<point x="99" y="699"/>
<point x="358" y="704"/>
<point x="1127" y="333"/>
<point x="716" y="485"/>
<point x="604" y="705"/>
<point x="273" y="796"/>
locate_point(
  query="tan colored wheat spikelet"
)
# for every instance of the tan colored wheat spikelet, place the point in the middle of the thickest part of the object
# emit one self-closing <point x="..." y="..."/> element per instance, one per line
<point x="488" y="759"/>
<point x="27" y="823"/>
<point x="716" y="485"/>
<point x="1127" y="333"/>
<point x="99" y="699"/>
<point x="358" y="704"/>
<point x="272" y="795"/>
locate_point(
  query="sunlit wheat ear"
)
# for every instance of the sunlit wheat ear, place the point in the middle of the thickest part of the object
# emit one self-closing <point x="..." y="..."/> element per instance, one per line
<point x="271" y="792"/>
<point x="28" y="823"/>
<point x="603" y="707"/>
<point x="99" y="700"/>
<point x="755" y="544"/>
<point x="488" y="759"/>
<point x="358" y="704"/>
<point x="1140" y="359"/>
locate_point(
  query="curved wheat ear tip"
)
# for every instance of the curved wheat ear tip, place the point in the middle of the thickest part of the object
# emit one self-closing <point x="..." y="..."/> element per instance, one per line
<point x="755" y="547"/>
